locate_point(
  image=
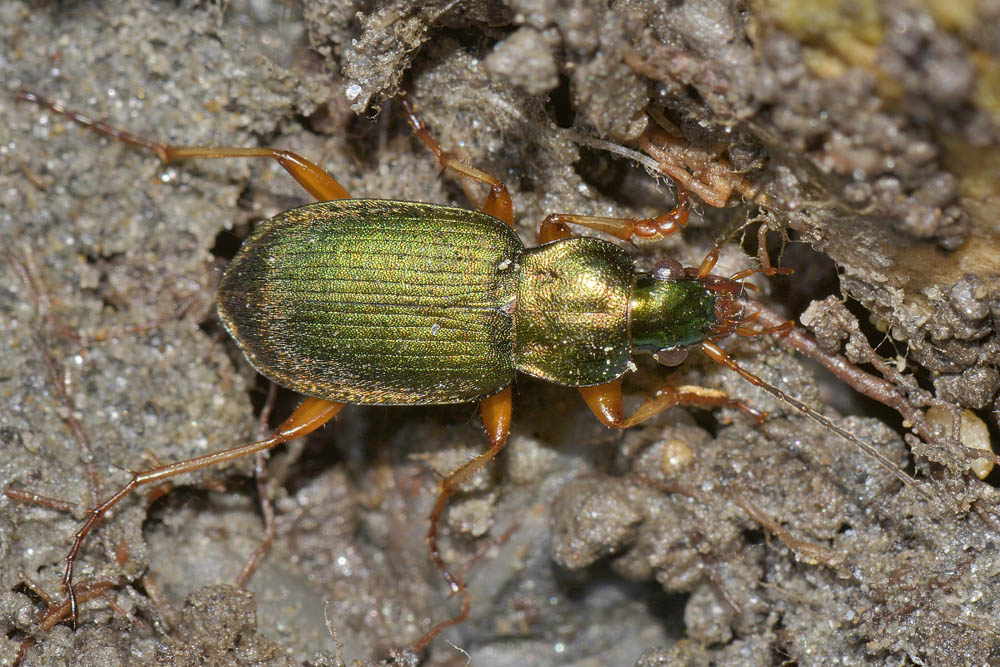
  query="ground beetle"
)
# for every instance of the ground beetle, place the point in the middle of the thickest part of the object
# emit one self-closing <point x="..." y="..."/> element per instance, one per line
<point x="384" y="302"/>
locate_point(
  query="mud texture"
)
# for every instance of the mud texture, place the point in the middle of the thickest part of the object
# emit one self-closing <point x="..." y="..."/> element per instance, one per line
<point x="867" y="137"/>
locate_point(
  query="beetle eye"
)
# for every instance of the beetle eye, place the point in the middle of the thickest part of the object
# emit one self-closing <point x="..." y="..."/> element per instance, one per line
<point x="668" y="269"/>
<point x="671" y="356"/>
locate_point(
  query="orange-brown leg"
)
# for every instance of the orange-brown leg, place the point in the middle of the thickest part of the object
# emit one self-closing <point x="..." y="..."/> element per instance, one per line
<point x="496" y="411"/>
<point x="498" y="203"/>
<point x="314" y="179"/>
<point x="309" y="416"/>
<point x="765" y="267"/>
<point x="556" y="225"/>
<point x="605" y="401"/>
<point x="747" y="332"/>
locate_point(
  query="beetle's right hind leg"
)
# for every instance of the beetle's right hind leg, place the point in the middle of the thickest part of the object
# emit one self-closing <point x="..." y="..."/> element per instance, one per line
<point x="309" y="416"/>
<point x="496" y="411"/>
<point x="313" y="178"/>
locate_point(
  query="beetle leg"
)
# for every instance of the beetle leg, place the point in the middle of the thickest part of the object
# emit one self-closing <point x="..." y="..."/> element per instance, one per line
<point x="605" y="401"/>
<point x="765" y="268"/>
<point x="748" y="332"/>
<point x="309" y="416"/>
<point x="498" y="202"/>
<point x="496" y="411"/>
<point x="764" y="258"/>
<point x="556" y="225"/>
<point x="314" y="179"/>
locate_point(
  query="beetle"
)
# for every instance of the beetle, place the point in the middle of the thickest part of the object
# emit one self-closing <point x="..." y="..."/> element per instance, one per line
<point x="383" y="302"/>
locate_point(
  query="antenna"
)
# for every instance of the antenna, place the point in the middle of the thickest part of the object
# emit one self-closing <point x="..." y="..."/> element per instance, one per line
<point x="720" y="356"/>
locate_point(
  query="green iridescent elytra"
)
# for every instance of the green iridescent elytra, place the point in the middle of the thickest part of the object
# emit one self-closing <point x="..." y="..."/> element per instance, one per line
<point x="386" y="302"/>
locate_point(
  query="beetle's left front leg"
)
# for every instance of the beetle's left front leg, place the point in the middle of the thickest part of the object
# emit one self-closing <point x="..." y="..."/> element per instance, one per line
<point x="605" y="401"/>
<point x="556" y="225"/>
